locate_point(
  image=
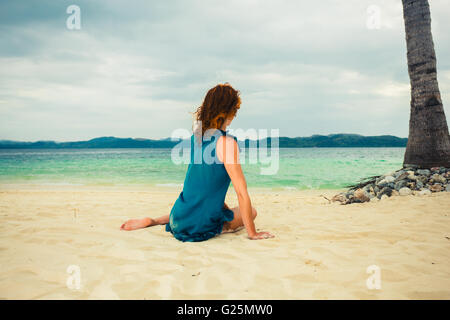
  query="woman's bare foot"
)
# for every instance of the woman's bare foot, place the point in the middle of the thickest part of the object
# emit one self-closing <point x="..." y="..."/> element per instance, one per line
<point x="134" y="224"/>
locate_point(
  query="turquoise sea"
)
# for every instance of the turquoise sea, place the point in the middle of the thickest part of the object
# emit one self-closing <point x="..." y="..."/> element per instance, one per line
<point x="299" y="168"/>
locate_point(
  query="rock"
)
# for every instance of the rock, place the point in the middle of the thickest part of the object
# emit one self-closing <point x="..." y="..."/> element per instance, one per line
<point x="411" y="185"/>
<point x="399" y="184"/>
<point x="410" y="180"/>
<point x="402" y="176"/>
<point x="361" y="195"/>
<point x="340" y="197"/>
<point x="424" y="192"/>
<point x="423" y="172"/>
<point x="368" y="187"/>
<point x="405" y="191"/>
<point x="385" y="181"/>
<point x="436" y="178"/>
<point x="423" y="179"/>
<point x="385" y="191"/>
<point x="349" y="194"/>
<point x="398" y="174"/>
<point x="419" y="185"/>
<point x="412" y="177"/>
<point x="437" y="187"/>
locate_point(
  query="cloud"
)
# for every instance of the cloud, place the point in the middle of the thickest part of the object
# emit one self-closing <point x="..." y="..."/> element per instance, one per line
<point x="137" y="69"/>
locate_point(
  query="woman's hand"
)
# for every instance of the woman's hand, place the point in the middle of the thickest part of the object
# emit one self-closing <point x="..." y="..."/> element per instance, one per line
<point x="261" y="235"/>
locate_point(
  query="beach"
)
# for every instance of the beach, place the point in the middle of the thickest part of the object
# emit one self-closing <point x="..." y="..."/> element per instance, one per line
<point x="321" y="250"/>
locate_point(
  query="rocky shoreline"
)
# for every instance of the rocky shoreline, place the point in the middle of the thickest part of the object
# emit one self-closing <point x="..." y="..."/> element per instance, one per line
<point x="406" y="181"/>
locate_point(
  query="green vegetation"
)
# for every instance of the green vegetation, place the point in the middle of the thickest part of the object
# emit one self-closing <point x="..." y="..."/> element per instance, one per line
<point x="316" y="141"/>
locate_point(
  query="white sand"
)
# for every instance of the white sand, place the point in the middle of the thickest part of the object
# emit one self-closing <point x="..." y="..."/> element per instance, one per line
<point x="321" y="250"/>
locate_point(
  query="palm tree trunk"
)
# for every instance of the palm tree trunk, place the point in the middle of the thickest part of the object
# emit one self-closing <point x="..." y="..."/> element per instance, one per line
<point x="428" y="141"/>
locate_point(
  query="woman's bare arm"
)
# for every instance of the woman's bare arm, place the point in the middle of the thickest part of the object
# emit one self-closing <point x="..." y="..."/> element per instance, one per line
<point x="228" y="153"/>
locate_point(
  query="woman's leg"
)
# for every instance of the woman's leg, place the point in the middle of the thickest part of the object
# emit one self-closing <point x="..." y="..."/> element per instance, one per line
<point x="236" y="223"/>
<point x="134" y="224"/>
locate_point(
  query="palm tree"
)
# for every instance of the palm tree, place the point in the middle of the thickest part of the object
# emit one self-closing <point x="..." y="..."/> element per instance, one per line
<point x="428" y="141"/>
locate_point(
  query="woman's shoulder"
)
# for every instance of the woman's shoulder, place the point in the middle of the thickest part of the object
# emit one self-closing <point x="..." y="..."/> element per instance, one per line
<point x="229" y="142"/>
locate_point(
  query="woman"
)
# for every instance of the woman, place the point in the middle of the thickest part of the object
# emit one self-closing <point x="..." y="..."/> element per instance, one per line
<point x="200" y="212"/>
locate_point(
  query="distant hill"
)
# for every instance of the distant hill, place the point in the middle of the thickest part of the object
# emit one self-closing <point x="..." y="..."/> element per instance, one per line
<point x="342" y="140"/>
<point x="101" y="142"/>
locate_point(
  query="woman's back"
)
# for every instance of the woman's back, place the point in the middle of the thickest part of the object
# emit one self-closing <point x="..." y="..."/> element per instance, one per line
<point x="199" y="214"/>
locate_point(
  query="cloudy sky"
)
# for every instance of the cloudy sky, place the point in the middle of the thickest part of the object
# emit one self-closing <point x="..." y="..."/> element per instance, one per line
<point x="138" y="68"/>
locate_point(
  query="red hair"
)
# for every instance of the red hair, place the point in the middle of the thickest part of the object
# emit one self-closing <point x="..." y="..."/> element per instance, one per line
<point x="220" y="103"/>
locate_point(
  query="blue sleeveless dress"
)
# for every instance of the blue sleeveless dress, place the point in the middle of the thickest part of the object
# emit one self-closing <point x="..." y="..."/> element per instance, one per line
<point x="198" y="213"/>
